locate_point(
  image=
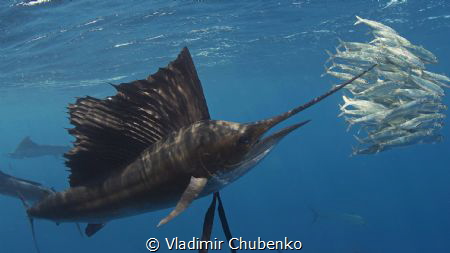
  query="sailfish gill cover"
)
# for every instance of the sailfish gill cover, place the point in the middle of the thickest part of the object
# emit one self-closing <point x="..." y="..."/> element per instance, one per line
<point x="255" y="59"/>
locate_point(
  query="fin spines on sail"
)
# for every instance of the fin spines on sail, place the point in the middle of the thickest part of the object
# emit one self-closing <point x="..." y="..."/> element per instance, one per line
<point x="112" y="132"/>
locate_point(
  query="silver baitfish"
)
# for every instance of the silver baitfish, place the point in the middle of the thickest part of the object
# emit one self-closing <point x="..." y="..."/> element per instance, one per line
<point x="399" y="102"/>
<point x="427" y="85"/>
<point x="422" y="120"/>
<point x="404" y="55"/>
<point x="374" y="24"/>
<point x="423" y="54"/>
<point x="392" y="36"/>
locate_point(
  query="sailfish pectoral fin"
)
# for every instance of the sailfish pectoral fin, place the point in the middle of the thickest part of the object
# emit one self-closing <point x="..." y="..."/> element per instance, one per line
<point x="194" y="188"/>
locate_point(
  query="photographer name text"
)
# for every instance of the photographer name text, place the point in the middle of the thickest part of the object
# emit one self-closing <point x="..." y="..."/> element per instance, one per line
<point x="237" y="243"/>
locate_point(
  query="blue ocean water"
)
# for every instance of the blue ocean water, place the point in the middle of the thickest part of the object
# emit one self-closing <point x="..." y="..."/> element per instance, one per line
<point x="255" y="59"/>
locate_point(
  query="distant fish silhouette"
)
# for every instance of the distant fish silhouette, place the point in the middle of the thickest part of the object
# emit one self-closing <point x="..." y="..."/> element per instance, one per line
<point x="23" y="189"/>
<point x="350" y="218"/>
<point x="28" y="148"/>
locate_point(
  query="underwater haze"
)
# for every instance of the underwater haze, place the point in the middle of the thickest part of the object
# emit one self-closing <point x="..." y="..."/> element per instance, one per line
<point x="255" y="59"/>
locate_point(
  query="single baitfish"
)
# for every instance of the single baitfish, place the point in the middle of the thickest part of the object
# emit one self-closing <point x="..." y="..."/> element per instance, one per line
<point x="371" y="119"/>
<point x="374" y="24"/>
<point x="427" y="85"/>
<point x="382" y="135"/>
<point x="432" y="107"/>
<point x="345" y="67"/>
<point x="422" y="121"/>
<point x="421" y="136"/>
<point x="388" y="67"/>
<point x="404" y="109"/>
<point x="423" y="54"/>
<point x="392" y="36"/>
<point x="351" y="112"/>
<point x="386" y="133"/>
<point x="404" y="57"/>
<point x="358" y="46"/>
<point x="398" y="76"/>
<point x="380" y="41"/>
<point x="415" y="94"/>
<point x="356" y="57"/>
<point x="346" y="76"/>
<point x="379" y="89"/>
<point x="364" y="105"/>
<point x="353" y="70"/>
<point x="434" y="77"/>
<point x="410" y="139"/>
<point x="373" y="149"/>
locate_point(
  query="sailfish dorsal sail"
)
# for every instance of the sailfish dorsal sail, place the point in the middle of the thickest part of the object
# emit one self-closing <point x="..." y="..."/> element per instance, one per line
<point x="110" y="133"/>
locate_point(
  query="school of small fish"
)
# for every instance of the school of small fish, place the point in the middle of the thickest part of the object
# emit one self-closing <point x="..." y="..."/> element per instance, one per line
<point x="398" y="103"/>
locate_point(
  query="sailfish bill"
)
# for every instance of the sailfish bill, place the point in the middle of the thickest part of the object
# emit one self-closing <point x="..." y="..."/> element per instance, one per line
<point x="154" y="146"/>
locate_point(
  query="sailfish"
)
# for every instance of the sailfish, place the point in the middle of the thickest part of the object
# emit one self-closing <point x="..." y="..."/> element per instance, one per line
<point x="27" y="148"/>
<point x="152" y="146"/>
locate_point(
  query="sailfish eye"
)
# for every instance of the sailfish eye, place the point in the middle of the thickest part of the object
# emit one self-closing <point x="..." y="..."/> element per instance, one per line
<point x="244" y="140"/>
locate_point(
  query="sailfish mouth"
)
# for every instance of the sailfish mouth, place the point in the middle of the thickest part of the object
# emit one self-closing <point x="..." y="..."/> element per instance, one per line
<point x="275" y="137"/>
<point x="285" y="131"/>
<point x="265" y="143"/>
